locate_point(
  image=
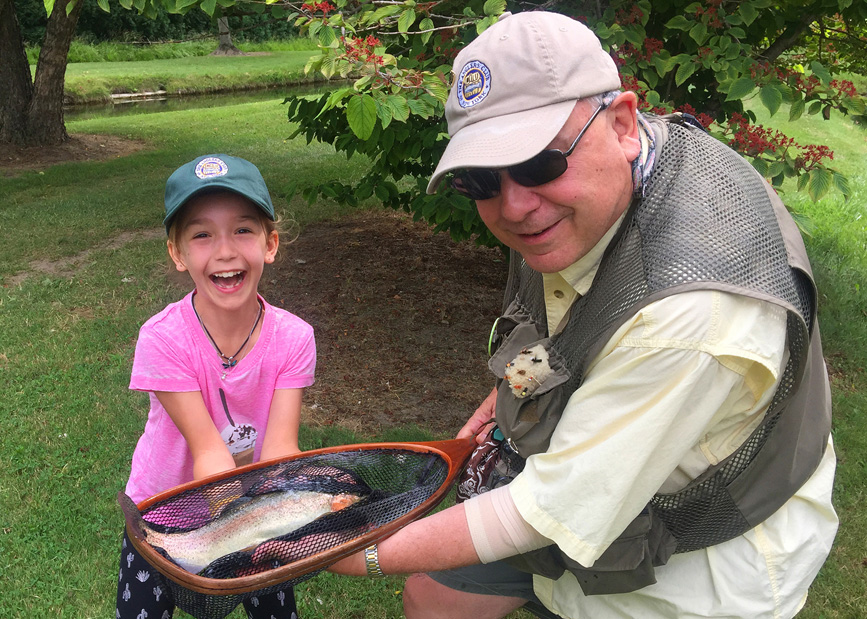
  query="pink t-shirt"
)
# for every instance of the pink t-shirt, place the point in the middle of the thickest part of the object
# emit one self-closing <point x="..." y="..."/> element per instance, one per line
<point x="173" y="353"/>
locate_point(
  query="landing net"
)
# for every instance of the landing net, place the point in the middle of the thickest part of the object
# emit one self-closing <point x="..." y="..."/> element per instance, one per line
<point x="379" y="488"/>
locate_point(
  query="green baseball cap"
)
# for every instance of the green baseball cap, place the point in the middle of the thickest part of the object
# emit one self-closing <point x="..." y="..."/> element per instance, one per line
<point x="216" y="172"/>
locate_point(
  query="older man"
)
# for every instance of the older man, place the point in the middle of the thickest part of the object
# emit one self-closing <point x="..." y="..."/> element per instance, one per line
<point x="662" y="413"/>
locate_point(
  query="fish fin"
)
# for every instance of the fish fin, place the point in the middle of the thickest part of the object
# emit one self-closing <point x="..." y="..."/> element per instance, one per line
<point x="132" y="515"/>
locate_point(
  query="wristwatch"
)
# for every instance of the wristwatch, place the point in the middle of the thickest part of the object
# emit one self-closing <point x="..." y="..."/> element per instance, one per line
<point x="371" y="560"/>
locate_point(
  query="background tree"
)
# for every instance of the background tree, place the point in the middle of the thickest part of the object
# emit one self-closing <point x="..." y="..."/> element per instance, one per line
<point x="703" y="58"/>
<point x="31" y="106"/>
<point x="31" y="110"/>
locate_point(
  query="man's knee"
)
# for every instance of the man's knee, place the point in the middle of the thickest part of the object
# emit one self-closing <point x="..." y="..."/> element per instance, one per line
<point x="419" y="596"/>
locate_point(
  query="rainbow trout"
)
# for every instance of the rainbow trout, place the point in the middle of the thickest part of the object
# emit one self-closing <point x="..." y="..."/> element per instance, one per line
<point x="250" y="523"/>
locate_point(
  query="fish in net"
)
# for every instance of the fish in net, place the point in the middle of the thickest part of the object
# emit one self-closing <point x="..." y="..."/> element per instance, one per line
<point x="212" y="541"/>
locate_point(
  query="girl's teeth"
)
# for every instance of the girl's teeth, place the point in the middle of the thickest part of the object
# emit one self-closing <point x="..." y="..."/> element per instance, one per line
<point x="228" y="279"/>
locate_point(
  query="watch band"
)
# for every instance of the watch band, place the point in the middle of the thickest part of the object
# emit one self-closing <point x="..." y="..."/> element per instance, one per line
<point x="371" y="560"/>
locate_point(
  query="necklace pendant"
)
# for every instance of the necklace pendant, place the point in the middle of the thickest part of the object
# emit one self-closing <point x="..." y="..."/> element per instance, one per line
<point x="230" y="363"/>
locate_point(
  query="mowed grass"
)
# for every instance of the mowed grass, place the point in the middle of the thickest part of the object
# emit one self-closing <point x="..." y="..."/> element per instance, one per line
<point x="97" y="81"/>
<point x="68" y="423"/>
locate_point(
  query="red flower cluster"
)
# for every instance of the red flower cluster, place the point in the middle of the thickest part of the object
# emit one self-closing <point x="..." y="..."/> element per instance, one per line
<point x="316" y="7"/>
<point x="704" y="119"/>
<point x="755" y="140"/>
<point x="632" y="16"/>
<point x="361" y="50"/>
<point x="844" y="87"/>
<point x="712" y="12"/>
<point x="812" y="156"/>
<point x="651" y="48"/>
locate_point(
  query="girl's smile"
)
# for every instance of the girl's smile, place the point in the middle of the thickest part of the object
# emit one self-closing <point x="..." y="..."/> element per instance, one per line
<point x="224" y="245"/>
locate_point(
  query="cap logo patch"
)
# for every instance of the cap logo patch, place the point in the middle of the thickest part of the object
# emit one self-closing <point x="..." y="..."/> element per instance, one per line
<point x="211" y="167"/>
<point x="474" y="83"/>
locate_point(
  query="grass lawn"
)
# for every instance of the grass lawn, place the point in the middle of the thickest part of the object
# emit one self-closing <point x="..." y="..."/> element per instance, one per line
<point x="68" y="423"/>
<point x="97" y="81"/>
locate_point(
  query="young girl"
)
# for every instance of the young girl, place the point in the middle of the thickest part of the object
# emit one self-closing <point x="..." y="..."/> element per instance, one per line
<point x="224" y="369"/>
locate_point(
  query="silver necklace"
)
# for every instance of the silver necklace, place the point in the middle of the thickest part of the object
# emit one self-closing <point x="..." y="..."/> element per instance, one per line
<point x="228" y="361"/>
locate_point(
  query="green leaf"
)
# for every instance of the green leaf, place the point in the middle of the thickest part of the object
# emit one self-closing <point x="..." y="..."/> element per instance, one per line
<point x="420" y="107"/>
<point x="635" y="35"/>
<point x="748" y="12"/>
<point x="740" y="89"/>
<point x="426" y="24"/>
<point x="776" y="168"/>
<point x="494" y="7"/>
<point x="698" y="33"/>
<point x="679" y="23"/>
<point x="406" y="20"/>
<point x="381" y="13"/>
<point x="208" y="6"/>
<point x="49" y="6"/>
<point x="485" y="23"/>
<point x="361" y="115"/>
<point x="761" y="166"/>
<point x="70" y="6"/>
<point x="385" y="114"/>
<point x="684" y="71"/>
<point x="842" y="185"/>
<point x="821" y="72"/>
<point x="327" y="37"/>
<point x="796" y="110"/>
<point x="803" y="179"/>
<point x="815" y="108"/>
<point x="771" y="98"/>
<point x="820" y="183"/>
<point x="103" y="4"/>
<point x="437" y="87"/>
<point x="399" y="107"/>
<point x="652" y="98"/>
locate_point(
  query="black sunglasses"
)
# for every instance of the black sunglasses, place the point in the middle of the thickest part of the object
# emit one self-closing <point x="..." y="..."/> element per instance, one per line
<point x="484" y="183"/>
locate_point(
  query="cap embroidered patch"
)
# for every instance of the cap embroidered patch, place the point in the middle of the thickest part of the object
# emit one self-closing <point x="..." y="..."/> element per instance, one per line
<point x="210" y="167"/>
<point x="474" y="83"/>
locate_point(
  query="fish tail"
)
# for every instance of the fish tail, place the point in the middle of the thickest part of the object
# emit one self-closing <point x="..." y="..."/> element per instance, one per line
<point x="133" y="517"/>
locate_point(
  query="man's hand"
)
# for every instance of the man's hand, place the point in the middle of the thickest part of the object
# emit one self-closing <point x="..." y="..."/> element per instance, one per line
<point x="483" y="415"/>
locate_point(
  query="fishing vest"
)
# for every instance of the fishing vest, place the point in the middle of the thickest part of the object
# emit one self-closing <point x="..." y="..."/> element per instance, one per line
<point x="707" y="221"/>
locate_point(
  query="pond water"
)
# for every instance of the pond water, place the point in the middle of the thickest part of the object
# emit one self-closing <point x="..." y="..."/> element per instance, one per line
<point x="164" y="103"/>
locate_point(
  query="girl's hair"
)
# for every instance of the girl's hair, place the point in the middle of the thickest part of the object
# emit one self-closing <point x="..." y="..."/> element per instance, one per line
<point x="180" y="220"/>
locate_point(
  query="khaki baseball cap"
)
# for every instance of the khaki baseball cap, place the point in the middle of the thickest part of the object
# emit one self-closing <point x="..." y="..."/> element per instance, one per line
<point x="515" y="86"/>
<point x="216" y="172"/>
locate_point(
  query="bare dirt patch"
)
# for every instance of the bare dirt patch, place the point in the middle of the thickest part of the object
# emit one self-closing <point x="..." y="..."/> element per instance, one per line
<point x="80" y="147"/>
<point x="401" y="317"/>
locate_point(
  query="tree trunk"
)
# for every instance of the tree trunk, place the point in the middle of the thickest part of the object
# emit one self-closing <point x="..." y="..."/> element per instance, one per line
<point x="17" y="90"/>
<point x="32" y="114"/>
<point x="225" y="47"/>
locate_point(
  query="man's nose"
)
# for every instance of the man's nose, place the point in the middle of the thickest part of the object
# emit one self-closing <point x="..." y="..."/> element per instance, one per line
<point x="516" y="201"/>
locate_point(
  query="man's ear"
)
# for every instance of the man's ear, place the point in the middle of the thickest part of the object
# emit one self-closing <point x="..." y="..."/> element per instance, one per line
<point x="272" y="243"/>
<point x="623" y="110"/>
<point x="175" y="255"/>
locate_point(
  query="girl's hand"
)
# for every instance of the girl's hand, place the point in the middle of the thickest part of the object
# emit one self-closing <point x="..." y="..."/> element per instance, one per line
<point x="483" y="415"/>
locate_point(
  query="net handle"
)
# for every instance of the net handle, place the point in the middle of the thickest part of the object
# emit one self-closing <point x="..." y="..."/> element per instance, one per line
<point x="455" y="452"/>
